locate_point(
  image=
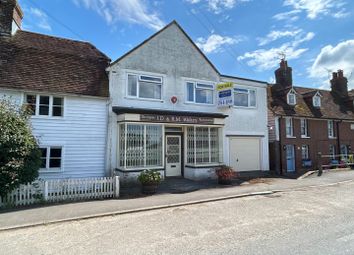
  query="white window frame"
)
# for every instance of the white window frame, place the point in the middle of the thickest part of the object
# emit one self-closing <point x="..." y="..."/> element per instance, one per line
<point x="291" y="93"/>
<point x="50" y="112"/>
<point x="289" y="121"/>
<point x="195" y="87"/>
<point x="138" y="76"/>
<point x="330" y="127"/>
<point x="48" y="169"/>
<point x="314" y="101"/>
<point x="304" y="123"/>
<point x="305" y="148"/>
<point x="248" y="94"/>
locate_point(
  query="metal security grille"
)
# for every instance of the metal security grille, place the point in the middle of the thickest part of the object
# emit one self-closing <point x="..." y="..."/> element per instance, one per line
<point x="173" y="149"/>
<point x="203" y="145"/>
<point x="140" y="145"/>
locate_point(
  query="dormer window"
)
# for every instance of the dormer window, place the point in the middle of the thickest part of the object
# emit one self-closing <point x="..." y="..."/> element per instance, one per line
<point x="316" y="100"/>
<point x="291" y="97"/>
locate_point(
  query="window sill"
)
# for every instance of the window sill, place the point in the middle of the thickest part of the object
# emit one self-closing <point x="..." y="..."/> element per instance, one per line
<point x="47" y="117"/>
<point x="201" y="104"/>
<point x="50" y="171"/>
<point x="332" y="137"/>
<point x="144" y="99"/>
<point x="305" y="137"/>
<point x="204" y="166"/>
<point x="245" y="107"/>
<point x="140" y="169"/>
<point x="291" y="137"/>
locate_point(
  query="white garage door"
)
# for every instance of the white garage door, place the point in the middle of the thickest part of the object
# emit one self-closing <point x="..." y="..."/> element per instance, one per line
<point x="244" y="153"/>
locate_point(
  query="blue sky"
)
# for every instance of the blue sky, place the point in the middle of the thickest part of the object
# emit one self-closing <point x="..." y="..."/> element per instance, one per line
<point x="241" y="37"/>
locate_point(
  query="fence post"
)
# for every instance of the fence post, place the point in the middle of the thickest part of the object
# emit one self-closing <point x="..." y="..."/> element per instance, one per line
<point x="116" y="186"/>
<point x="319" y="162"/>
<point x="45" y="192"/>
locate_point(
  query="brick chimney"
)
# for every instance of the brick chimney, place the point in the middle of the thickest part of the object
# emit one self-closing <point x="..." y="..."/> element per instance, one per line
<point x="10" y="17"/>
<point x="339" y="85"/>
<point x="283" y="75"/>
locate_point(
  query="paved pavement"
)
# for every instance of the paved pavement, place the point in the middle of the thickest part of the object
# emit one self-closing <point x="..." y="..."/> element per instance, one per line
<point x="55" y="213"/>
<point x="307" y="221"/>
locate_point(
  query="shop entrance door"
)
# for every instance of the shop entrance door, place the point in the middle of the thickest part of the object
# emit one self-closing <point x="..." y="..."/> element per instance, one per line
<point x="173" y="155"/>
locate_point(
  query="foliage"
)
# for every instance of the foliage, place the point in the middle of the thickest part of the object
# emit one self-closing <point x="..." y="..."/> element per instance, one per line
<point x="19" y="153"/>
<point x="225" y="172"/>
<point x="149" y="177"/>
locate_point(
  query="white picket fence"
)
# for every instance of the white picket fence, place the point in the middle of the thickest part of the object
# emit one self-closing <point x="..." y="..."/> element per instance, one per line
<point x="62" y="190"/>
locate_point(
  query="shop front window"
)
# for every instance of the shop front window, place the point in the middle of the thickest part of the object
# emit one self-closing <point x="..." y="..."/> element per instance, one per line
<point x="140" y="146"/>
<point x="203" y="145"/>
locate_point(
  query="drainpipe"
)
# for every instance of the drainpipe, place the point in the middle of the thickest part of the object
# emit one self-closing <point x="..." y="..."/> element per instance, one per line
<point x="280" y="147"/>
<point x="338" y="138"/>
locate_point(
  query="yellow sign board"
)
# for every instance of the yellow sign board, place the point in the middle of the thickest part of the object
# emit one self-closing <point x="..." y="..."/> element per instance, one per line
<point x="225" y="85"/>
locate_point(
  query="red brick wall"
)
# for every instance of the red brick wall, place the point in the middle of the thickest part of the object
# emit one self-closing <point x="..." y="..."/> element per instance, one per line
<point x="318" y="141"/>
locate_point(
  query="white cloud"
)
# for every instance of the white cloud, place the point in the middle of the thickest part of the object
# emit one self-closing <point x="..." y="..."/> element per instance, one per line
<point x="193" y="1"/>
<point x="132" y="11"/>
<point x="276" y="34"/>
<point x="316" y="8"/>
<point x="266" y="59"/>
<point x="287" y="16"/>
<point x="215" y="42"/>
<point x="218" y="6"/>
<point x="332" y="58"/>
<point x="38" y="18"/>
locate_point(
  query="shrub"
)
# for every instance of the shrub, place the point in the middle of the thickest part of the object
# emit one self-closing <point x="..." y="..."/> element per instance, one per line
<point x="149" y="177"/>
<point x="225" y="172"/>
<point x="19" y="153"/>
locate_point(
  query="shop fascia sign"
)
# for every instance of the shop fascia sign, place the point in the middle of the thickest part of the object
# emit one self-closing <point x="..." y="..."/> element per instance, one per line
<point x="176" y="119"/>
<point x="224" y="94"/>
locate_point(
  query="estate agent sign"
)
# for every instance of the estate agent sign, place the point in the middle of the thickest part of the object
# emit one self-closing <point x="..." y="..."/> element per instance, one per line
<point x="224" y="94"/>
<point x="176" y="119"/>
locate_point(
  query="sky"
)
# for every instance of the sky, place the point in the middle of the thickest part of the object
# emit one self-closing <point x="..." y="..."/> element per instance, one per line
<point x="245" y="38"/>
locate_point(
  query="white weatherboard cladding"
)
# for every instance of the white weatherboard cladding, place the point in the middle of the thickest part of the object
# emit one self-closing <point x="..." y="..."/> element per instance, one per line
<point x="82" y="132"/>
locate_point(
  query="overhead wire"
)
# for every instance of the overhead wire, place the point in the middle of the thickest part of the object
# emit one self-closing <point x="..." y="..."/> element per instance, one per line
<point x="56" y="20"/>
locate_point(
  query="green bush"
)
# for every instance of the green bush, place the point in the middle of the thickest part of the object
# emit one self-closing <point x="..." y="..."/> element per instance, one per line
<point x="19" y="152"/>
<point x="150" y="177"/>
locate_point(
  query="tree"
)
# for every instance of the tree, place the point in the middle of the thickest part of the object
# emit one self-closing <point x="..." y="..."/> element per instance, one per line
<point x="19" y="152"/>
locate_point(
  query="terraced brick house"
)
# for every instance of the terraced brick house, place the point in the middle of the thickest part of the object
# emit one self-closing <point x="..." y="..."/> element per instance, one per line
<point x="65" y="84"/>
<point x="304" y="121"/>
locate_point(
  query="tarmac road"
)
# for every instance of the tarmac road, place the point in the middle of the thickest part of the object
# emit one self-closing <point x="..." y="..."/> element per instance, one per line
<point x="311" y="221"/>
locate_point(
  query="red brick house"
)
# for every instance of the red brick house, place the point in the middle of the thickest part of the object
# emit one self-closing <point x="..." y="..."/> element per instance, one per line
<point x="305" y="121"/>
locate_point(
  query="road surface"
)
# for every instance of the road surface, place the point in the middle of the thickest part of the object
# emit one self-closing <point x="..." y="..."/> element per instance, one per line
<point x="310" y="221"/>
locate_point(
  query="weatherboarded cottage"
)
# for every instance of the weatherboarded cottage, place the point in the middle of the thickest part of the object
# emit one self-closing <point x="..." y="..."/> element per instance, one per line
<point x="65" y="85"/>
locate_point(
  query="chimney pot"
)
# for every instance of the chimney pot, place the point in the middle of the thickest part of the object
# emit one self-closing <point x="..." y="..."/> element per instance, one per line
<point x="283" y="75"/>
<point x="339" y="85"/>
<point x="10" y="17"/>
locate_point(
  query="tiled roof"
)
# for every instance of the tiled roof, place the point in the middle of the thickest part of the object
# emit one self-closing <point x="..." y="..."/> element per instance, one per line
<point x="36" y="62"/>
<point x="331" y="108"/>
